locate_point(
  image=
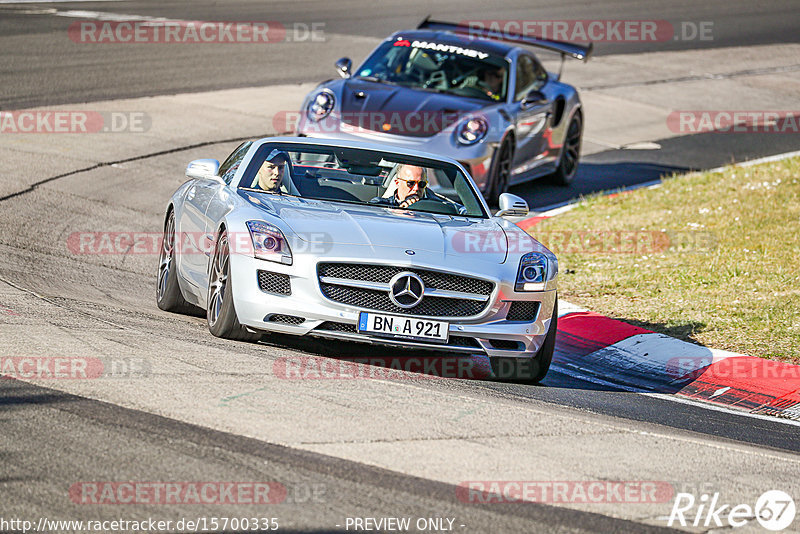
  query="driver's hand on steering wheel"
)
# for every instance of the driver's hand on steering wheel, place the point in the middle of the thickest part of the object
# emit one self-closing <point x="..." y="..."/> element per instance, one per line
<point x="410" y="199"/>
<point x="470" y="81"/>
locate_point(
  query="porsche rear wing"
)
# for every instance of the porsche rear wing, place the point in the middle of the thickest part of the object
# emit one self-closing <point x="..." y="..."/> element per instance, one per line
<point x="565" y="49"/>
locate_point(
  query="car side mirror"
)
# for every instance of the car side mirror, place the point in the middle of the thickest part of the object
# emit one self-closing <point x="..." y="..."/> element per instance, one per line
<point x="511" y="206"/>
<point x="343" y="67"/>
<point x="534" y="98"/>
<point x="203" y="169"/>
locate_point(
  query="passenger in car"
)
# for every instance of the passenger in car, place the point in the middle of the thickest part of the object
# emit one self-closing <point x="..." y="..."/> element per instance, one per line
<point x="271" y="173"/>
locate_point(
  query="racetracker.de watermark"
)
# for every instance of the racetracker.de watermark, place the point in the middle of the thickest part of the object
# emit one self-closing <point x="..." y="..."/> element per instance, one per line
<point x="398" y="122"/>
<point x="635" y="242"/>
<point x="732" y="368"/>
<point x="72" y="367"/>
<point x="151" y="31"/>
<point x="176" y="493"/>
<point x="594" y="30"/>
<point x="570" y="491"/>
<point x="73" y="122"/>
<point x="382" y="368"/>
<point x="734" y="121"/>
<point x="113" y="243"/>
<point x="472" y="242"/>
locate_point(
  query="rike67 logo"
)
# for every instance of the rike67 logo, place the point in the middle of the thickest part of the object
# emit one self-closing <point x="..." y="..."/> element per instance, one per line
<point x="774" y="510"/>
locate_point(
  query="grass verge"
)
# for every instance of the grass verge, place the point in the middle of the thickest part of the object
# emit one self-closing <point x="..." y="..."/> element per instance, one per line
<point x="712" y="258"/>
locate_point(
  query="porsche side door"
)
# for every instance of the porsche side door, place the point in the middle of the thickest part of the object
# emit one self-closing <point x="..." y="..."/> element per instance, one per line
<point x="532" y="111"/>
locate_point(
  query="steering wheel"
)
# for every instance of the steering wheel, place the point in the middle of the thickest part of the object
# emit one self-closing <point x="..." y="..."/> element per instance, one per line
<point x="458" y="79"/>
<point x="433" y="206"/>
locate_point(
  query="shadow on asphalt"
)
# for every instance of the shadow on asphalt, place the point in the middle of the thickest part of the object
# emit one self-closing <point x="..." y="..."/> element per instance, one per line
<point x="622" y="168"/>
<point x="9" y="401"/>
<point x="593" y="178"/>
<point x="683" y="330"/>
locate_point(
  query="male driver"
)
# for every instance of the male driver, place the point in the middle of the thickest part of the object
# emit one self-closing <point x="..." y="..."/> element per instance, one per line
<point x="272" y="171"/>
<point x="493" y="81"/>
<point x="411" y="186"/>
<point x="490" y="81"/>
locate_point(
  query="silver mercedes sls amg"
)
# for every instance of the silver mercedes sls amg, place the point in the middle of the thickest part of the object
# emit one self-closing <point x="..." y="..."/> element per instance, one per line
<point x="321" y="238"/>
<point x="467" y="93"/>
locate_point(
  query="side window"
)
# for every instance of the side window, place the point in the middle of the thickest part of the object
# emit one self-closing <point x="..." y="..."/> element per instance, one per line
<point x="540" y="75"/>
<point x="231" y="165"/>
<point x="530" y="75"/>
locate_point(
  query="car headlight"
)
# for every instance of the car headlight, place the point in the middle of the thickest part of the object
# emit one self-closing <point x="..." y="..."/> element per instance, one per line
<point x="269" y="242"/>
<point x="320" y="106"/>
<point x="535" y="270"/>
<point x="472" y="130"/>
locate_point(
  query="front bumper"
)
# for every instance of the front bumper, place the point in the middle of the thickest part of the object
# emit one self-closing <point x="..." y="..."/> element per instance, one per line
<point x="306" y="311"/>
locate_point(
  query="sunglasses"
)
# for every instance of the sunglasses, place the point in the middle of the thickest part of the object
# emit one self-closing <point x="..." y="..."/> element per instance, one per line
<point x="421" y="183"/>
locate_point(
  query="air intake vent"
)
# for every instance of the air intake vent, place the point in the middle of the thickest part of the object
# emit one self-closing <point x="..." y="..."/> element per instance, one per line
<point x="275" y="283"/>
<point x="505" y="344"/>
<point x="338" y="327"/>
<point x="523" y="310"/>
<point x="286" y="319"/>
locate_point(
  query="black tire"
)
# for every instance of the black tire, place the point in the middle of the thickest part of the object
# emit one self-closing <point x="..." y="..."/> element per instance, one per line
<point x="570" y="155"/>
<point x="221" y="314"/>
<point x="529" y="370"/>
<point x="168" y="292"/>
<point x="501" y="172"/>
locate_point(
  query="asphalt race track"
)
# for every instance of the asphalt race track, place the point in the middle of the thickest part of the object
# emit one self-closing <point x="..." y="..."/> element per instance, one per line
<point x="38" y="72"/>
<point x="202" y="409"/>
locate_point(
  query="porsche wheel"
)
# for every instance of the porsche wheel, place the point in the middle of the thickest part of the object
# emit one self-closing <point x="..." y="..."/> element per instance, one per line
<point x="221" y="314"/>
<point x="168" y="293"/>
<point x="501" y="172"/>
<point x="568" y="166"/>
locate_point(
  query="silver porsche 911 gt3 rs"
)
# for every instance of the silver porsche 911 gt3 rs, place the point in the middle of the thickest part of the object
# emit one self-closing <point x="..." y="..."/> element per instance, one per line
<point x="306" y="237"/>
<point x="467" y="93"/>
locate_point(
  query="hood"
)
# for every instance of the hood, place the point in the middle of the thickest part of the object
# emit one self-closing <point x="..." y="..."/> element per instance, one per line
<point x="388" y="233"/>
<point x="410" y="112"/>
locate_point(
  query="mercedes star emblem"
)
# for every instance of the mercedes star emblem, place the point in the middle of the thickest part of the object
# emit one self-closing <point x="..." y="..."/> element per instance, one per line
<point x="406" y="289"/>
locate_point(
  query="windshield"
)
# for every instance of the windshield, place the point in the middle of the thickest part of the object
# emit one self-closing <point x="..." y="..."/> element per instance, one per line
<point x="438" y="67"/>
<point x="361" y="176"/>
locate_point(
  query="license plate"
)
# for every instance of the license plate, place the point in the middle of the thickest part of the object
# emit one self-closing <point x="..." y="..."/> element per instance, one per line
<point x="378" y="324"/>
